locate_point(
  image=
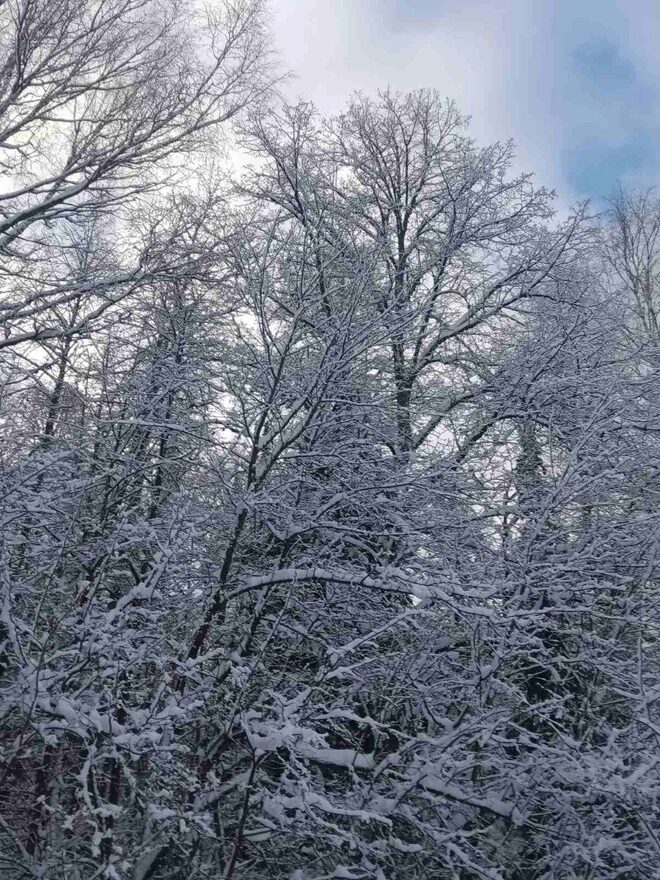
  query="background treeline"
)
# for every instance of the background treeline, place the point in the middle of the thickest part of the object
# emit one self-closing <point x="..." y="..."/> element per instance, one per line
<point x="329" y="489"/>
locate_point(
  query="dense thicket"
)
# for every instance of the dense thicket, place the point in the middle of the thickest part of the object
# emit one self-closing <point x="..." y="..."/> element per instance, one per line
<point x="329" y="493"/>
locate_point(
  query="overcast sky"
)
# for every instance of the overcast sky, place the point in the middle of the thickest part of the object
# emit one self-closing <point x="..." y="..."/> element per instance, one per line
<point x="575" y="83"/>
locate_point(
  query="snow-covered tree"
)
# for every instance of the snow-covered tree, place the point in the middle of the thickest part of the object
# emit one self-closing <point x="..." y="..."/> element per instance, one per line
<point x="329" y="506"/>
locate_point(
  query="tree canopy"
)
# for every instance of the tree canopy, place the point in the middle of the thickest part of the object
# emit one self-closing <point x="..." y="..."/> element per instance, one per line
<point x="328" y="486"/>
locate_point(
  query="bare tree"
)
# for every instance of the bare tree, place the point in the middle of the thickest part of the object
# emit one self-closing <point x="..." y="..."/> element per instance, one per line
<point x="101" y="104"/>
<point x="331" y="551"/>
<point x="458" y="246"/>
<point x="632" y="250"/>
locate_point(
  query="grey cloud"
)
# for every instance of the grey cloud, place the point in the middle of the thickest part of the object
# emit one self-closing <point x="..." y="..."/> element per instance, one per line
<point x="572" y="83"/>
